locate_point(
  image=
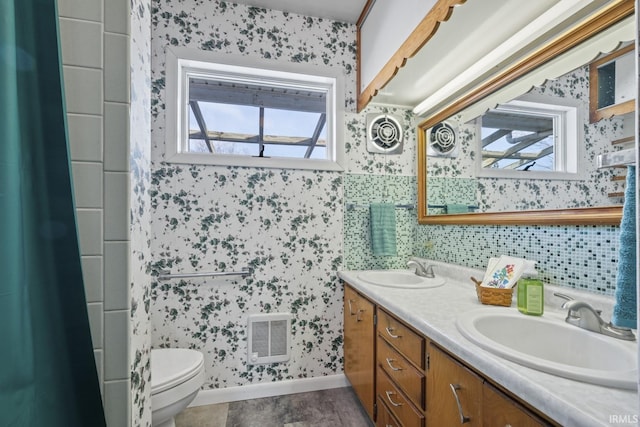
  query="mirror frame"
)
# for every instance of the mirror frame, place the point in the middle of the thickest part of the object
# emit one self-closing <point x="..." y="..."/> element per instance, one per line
<point x="607" y="215"/>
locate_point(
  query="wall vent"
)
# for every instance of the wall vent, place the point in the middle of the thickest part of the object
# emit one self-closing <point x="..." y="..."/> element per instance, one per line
<point x="442" y="140"/>
<point x="384" y="134"/>
<point x="269" y="338"/>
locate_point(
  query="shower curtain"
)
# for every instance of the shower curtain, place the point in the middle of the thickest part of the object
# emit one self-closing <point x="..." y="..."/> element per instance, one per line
<point x="47" y="370"/>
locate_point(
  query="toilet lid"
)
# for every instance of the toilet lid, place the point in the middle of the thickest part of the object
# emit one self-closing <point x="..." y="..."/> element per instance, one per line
<point x="172" y="366"/>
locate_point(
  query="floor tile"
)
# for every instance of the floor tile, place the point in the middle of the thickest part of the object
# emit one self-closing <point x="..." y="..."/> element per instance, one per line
<point x="325" y="408"/>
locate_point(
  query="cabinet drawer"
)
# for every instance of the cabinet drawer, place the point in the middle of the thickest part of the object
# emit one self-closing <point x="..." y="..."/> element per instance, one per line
<point x="406" y="376"/>
<point x="398" y="404"/>
<point x="401" y="337"/>
<point x="385" y="419"/>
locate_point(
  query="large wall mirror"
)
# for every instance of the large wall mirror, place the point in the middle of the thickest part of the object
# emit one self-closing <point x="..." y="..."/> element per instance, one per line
<point x="523" y="147"/>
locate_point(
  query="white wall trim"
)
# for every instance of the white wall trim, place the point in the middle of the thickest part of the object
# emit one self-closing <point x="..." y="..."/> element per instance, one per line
<point x="279" y="388"/>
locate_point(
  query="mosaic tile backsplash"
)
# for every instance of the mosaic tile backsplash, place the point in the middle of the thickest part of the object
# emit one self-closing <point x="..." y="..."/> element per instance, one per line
<point x="580" y="257"/>
<point x="359" y="191"/>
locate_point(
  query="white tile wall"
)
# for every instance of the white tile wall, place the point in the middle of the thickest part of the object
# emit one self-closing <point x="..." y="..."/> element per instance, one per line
<point x="90" y="10"/>
<point x="96" y="323"/>
<point x="116" y="69"/>
<point x="116" y="264"/>
<point x="116" y="137"/>
<point x="83" y="42"/>
<point x="97" y="354"/>
<point x="117" y="395"/>
<point x="116" y="16"/>
<point x="90" y="230"/>
<point x="83" y="90"/>
<point x="87" y="184"/>
<point x="85" y="137"/>
<point x="92" y="270"/>
<point x="96" y="69"/>
<point x="116" y="206"/>
<point x="116" y="358"/>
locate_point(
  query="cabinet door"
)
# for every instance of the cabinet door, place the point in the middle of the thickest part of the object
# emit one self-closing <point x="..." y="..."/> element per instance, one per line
<point x="359" y="347"/>
<point x="454" y="393"/>
<point x="501" y="411"/>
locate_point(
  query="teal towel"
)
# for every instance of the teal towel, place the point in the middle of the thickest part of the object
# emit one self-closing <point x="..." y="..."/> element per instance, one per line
<point x="383" y="229"/>
<point x="456" y="208"/>
<point x="625" y="308"/>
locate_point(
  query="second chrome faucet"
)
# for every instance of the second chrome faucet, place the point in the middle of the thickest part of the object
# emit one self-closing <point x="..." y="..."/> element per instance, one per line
<point x="584" y="316"/>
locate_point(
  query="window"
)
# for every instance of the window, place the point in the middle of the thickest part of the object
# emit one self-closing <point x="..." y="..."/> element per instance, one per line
<point x="533" y="137"/>
<point x="228" y="110"/>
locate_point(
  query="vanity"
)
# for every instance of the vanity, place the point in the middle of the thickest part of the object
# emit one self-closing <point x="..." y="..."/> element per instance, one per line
<point x="410" y="365"/>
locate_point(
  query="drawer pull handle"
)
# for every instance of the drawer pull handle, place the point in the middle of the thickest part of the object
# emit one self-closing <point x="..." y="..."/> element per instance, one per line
<point x="454" y="389"/>
<point x="358" y="318"/>
<point x="351" y="308"/>
<point x="389" y="394"/>
<point x="393" y="368"/>
<point x="389" y="329"/>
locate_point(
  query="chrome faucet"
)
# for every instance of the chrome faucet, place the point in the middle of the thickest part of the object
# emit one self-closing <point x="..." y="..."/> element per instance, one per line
<point x="586" y="317"/>
<point x="420" y="269"/>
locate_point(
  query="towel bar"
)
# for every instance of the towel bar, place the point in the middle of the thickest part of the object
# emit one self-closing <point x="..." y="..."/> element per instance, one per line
<point x="352" y="206"/>
<point x="165" y="275"/>
<point x="445" y="206"/>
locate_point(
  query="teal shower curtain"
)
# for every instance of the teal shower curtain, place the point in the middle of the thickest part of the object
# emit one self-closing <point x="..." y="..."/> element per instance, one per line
<point x="47" y="369"/>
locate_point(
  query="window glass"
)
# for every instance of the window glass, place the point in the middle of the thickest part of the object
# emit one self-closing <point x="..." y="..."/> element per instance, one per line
<point x="518" y="141"/>
<point x="233" y="114"/>
<point x="533" y="136"/>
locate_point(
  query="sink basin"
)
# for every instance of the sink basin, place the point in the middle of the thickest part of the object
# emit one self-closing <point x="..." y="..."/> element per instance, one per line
<point x="549" y="344"/>
<point x="399" y="279"/>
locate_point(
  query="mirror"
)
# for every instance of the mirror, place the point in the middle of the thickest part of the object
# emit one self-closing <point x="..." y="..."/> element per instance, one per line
<point x="454" y="188"/>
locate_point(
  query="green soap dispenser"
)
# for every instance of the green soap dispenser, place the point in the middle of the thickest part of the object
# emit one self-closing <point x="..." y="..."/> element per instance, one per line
<point x="530" y="296"/>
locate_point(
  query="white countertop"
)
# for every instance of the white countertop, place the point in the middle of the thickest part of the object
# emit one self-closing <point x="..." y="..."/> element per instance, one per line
<point x="433" y="312"/>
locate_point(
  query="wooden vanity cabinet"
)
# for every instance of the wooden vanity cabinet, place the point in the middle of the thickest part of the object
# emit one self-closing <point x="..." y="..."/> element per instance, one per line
<point x="475" y="401"/>
<point x="455" y="392"/>
<point x="498" y="410"/>
<point x="400" y="378"/>
<point x="385" y="419"/>
<point x="359" y="346"/>
<point x="403" y="379"/>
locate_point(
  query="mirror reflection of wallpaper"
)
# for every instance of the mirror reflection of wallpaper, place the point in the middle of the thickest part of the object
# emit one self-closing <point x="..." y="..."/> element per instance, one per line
<point x="451" y="191"/>
<point x="500" y="194"/>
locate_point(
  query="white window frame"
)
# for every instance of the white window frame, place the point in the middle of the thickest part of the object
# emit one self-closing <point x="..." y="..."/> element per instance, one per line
<point x="568" y="145"/>
<point x="183" y="62"/>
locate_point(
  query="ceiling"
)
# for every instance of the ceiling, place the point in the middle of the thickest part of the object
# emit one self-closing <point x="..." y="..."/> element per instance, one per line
<point x="337" y="10"/>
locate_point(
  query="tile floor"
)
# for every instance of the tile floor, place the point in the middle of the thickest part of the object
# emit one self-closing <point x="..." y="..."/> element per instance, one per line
<point x="325" y="408"/>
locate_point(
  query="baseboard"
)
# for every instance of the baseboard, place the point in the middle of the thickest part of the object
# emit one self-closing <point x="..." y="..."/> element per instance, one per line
<point x="255" y="391"/>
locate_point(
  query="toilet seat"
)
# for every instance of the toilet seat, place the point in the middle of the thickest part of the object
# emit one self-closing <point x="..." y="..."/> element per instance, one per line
<point x="173" y="366"/>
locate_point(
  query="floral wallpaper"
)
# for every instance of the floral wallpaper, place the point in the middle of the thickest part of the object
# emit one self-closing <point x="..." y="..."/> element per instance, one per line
<point x="539" y="193"/>
<point x="140" y="231"/>
<point x="286" y="225"/>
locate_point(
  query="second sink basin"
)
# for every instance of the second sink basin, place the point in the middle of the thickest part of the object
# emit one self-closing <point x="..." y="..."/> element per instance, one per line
<point x="399" y="279"/>
<point x="549" y="344"/>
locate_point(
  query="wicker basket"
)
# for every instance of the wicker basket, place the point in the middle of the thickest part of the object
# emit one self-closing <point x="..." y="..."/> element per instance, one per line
<point x="494" y="296"/>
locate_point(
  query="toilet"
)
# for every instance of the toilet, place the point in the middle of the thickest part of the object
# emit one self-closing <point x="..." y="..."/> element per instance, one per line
<point x="176" y="377"/>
